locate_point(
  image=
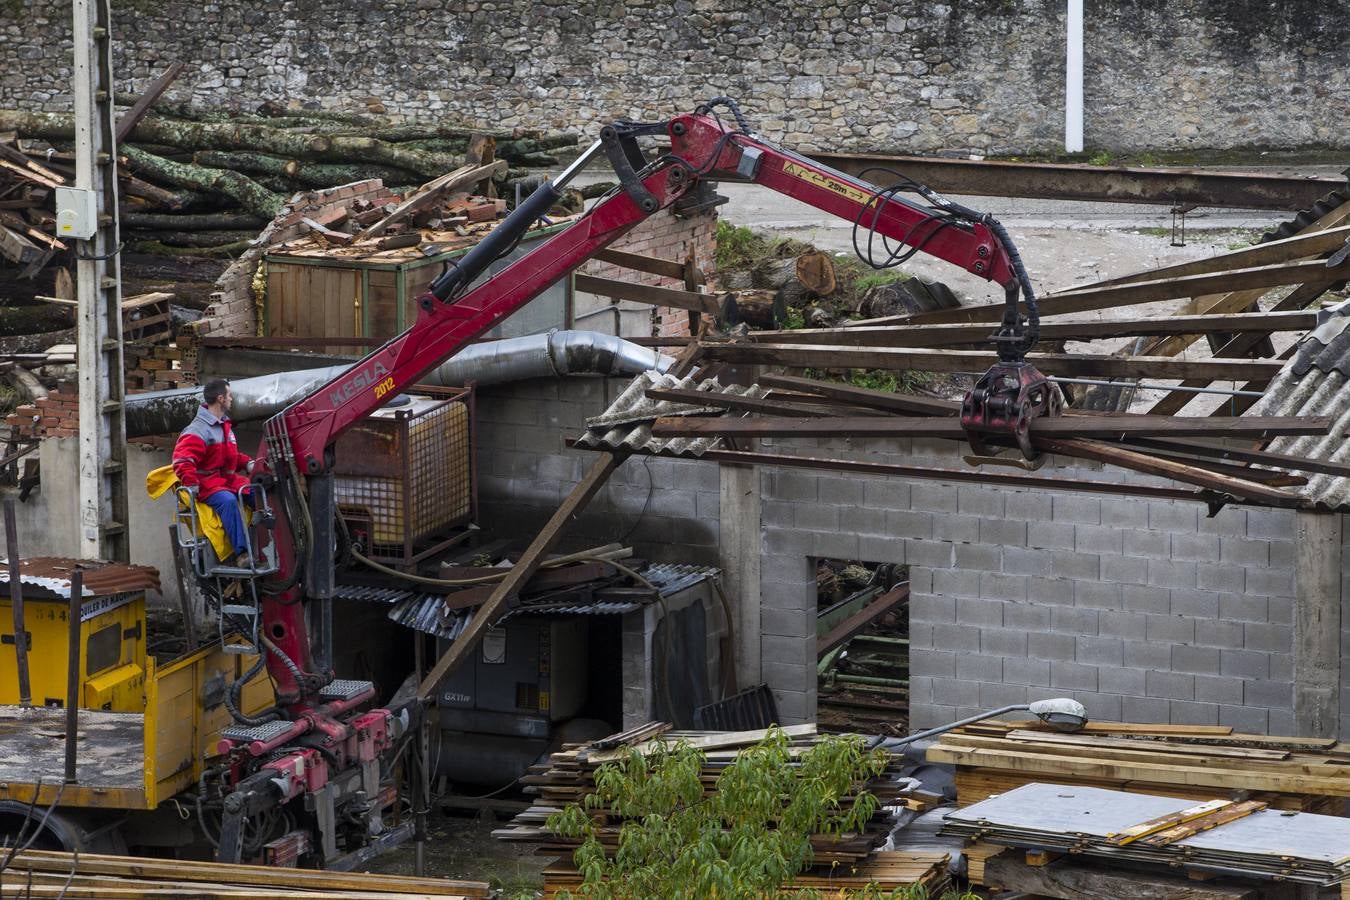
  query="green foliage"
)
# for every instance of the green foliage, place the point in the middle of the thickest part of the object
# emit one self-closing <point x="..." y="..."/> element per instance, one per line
<point x="738" y="246"/>
<point x="1100" y="158"/>
<point x="795" y="319"/>
<point x="887" y="276"/>
<point x="749" y="837"/>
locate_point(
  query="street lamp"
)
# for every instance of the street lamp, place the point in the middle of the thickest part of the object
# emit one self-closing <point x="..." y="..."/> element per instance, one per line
<point x="1061" y="714"/>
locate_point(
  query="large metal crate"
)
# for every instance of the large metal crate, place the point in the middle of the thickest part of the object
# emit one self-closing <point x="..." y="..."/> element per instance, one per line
<point x="405" y="476"/>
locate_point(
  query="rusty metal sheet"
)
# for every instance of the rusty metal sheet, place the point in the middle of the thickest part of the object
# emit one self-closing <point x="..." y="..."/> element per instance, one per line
<point x="101" y="579"/>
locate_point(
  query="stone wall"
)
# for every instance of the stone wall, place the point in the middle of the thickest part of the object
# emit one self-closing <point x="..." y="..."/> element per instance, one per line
<point x="981" y="75"/>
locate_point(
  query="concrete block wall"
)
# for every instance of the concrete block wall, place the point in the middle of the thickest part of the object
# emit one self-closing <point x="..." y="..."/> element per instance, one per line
<point x="1145" y="610"/>
<point x="666" y="509"/>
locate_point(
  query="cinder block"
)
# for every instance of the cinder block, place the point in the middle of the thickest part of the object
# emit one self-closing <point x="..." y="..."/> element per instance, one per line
<point x="795" y="707"/>
<point x="1195" y="660"/>
<point x="1018" y="670"/>
<point x="1237" y="551"/>
<point x="815" y="516"/>
<point x="1271" y="582"/>
<point x="1096" y="594"/>
<point x="1019" y="561"/>
<point x="931" y="716"/>
<point x="1281" y="722"/>
<point x="933" y="554"/>
<point x="1171" y="574"/>
<point x="1195" y="547"/>
<point x="1026" y="616"/>
<point x="789" y="485"/>
<point x="1073" y="676"/>
<point x="1100" y="707"/>
<point x="1219" y="633"/>
<point x="1199" y="604"/>
<point x="1046" y="535"/>
<point x="1076" y="509"/>
<point x="863" y="520"/>
<point x="979" y="667"/>
<point x="1272" y="694"/>
<point x="938" y="498"/>
<point x="1280" y="610"/>
<point x="1050" y="590"/>
<point x="920" y="579"/>
<point x="954" y="692"/>
<point x="957" y="637"/>
<point x="1271" y="638"/>
<point x="1117" y="680"/>
<point x="1098" y="539"/>
<point x="1230" y="522"/>
<point x="1147" y="655"/>
<point x="1099" y="651"/>
<point x="996" y="694"/>
<point x="1144" y="599"/>
<point x="903" y="523"/>
<point x="920" y="690"/>
<point x="775" y="514"/>
<point x="1147" y="544"/>
<point x="955" y="528"/>
<point x="971" y="611"/>
<point x="1244" y="664"/>
<point x="1245" y="719"/>
<point x="1173" y="516"/>
<point x="1003" y="532"/>
<point x="1221" y="578"/>
<point x="920" y="636"/>
<point x="1050" y="646"/>
<point x="1243" y="607"/>
<point x="1124" y="513"/>
<point x="1003" y="642"/>
<point x="886" y="493"/>
<point x="1028" y="506"/>
<point x="1144" y="710"/>
<point x="1075" y="565"/>
<point x="1169" y="685"/>
<point x="792" y="651"/>
<point x="841" y="491"/>
<point x="794" y="623"/>
<point x="681" y="505"/>
<point x="1282" y="554"/>
<point x="1119" y="624"/>
<point x="838" y="545"/>
<point x="1270" y="524"/>
<point x="786" y="542"/>
<point x="787" y="678"/>
<point x="1011" y="588"/>
<point x="877" y="549"/>
<point x="977" y="557"/>
<point x="1073" y="620"/>
<point x="939" y="663"/>
<point x="1170" y="629"/>
<point x="956" y="583"/>
<point x="1217" y="689"/>
<point x="1184" y="712"/>
<point x="985" y="502"/>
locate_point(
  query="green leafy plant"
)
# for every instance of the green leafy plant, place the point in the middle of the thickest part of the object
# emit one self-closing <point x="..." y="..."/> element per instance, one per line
<point x="864" y="282"/>
<point x="737" y="246"/>
<point x="747" y="838"/>
<point x="1100" y="158"/>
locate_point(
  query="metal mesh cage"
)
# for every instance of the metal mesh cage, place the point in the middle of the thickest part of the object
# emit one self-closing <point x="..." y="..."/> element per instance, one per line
<point x="405" y="475"/>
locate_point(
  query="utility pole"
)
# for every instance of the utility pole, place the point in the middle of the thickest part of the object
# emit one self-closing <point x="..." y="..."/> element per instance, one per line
<point x="102" y="457"/>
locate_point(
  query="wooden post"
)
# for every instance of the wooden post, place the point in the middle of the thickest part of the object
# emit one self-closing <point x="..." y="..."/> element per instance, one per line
<point x="73" y="673"/>
<point x="16" y="603"/>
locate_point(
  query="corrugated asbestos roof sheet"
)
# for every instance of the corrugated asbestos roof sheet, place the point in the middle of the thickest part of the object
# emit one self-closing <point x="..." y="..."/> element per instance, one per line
<point x="51" y="574"/>
<point x="1314" y="384"/>
<point x="627" y="424"/>
<point x="423" y="610"/>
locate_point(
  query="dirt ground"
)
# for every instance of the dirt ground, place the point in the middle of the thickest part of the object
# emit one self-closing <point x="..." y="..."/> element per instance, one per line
<point x="462" y="847"/>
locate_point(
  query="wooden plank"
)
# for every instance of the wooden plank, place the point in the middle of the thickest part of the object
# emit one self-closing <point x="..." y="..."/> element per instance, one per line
<point x="933" y="427"/>
<point x="666" y="268"/>
<point x="896" y="403"/>
<point x="1103" y="742"/>
<point x="978" y="333"/>
<point x="1196" y="824"/>
<point x="743" y="404"/>
<point x="28" y="174"/>
<point x="1259" y="457"/>
<point x="1161" y="823"/>
<point x="132" y="117"/>
<point x="1157" y="754"/>
<point x="855" y="623"/>
<point x="20" y="158"/>
<point x="646" y="293"/>
<point x="17" y="248"/>
<point x="975" y="361"/>
<point x="1080" y="882"/>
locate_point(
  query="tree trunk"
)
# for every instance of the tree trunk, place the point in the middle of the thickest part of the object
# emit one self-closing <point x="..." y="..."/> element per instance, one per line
<point x="35" y="342"/>
<point x="816" y="272"/>
<point x="759" y="308"/>
<point x="193" y="222"/>
<point x="772" y="274"/>
<point x="225" y="251"/>
<point x="241" y="161"/>
<point x="177" y="238"/>
<point x="31" y="319"/>
<point x="252" y="196"/>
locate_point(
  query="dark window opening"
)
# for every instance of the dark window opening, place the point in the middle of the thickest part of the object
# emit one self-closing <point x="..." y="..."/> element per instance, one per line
<point x="104" y="649"/>
<point x="862" y="631"/>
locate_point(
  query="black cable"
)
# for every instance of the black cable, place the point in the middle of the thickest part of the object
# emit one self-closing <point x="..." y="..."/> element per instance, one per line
<point x="729" y="103"/>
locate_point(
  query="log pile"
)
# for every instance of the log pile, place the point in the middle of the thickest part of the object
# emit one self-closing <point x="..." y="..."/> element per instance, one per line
<point x="198" y="182"/>
<point x="841" y="862"/>
<point x="1193" y="762"/>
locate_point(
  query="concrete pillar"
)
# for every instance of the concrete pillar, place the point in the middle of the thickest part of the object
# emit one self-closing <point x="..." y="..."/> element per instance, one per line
<point x="739" y="561"/>
<point x="1317" y="625"/>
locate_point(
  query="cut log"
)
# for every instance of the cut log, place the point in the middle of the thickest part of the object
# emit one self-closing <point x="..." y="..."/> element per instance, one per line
<point x="242" y="161"/>
<point x="304" y="173"/>
<point x="158" y="248"/>
<point x="191" y="222"/>
<point x="772" y="274"/>
<point x="31" y="319"/>
<point x="27" y="385"/>
<point x="36" y="342"/>
<point x="816" y="272"/>
<point x="758" y="308"/>
<point x="252" y="196"/>
<point x="176" y="238"/>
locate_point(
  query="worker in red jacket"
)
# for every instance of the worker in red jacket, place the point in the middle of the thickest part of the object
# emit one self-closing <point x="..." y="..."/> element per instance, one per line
<point x="207" y="457"/>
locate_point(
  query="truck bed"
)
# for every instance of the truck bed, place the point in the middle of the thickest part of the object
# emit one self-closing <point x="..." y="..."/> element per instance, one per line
<point x="110" y="756"/>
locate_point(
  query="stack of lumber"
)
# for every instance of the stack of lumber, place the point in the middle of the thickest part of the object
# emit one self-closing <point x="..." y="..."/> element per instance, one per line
<point x="93" y="877"/>
<point x="569" y="775"/>
<point x="881" y="872"/>
<point x="1244" y="838"/>
<point x="1193" y="762"/>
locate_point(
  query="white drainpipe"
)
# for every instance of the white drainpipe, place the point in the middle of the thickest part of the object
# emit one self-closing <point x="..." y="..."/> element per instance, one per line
<point x="1073" y="80"/>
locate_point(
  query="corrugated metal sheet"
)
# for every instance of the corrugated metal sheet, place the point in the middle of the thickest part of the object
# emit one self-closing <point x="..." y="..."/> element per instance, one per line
<point x="51" y="574"/>
<point x="627" y="424"/>
<point x="1314" y="384"/>
<point x="423" y="611"/>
